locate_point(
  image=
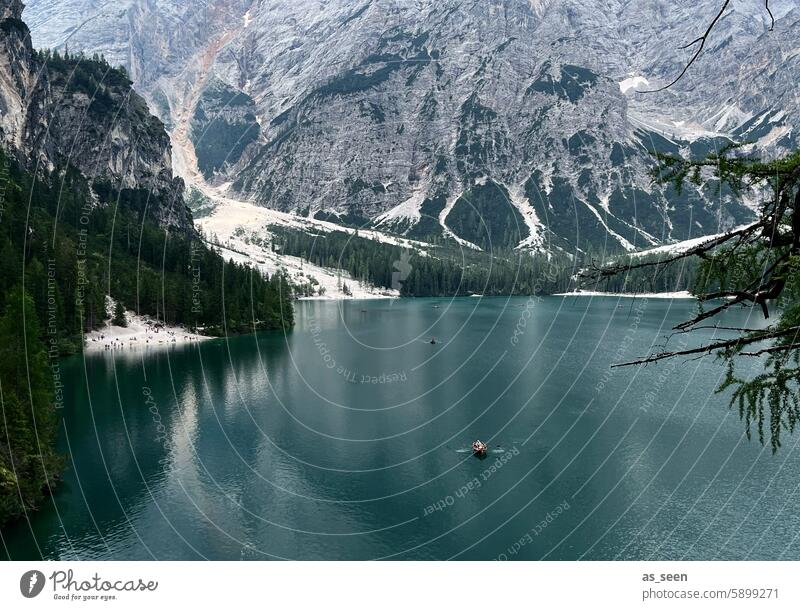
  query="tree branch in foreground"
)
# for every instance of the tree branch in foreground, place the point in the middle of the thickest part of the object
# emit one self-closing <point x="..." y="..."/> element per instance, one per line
<point x="701" y="40"/>
<point x="721" y="345"/>
<point x="597" y="272"/>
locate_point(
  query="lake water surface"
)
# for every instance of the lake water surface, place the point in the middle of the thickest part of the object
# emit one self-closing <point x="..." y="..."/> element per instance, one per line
<point x="348" y="438"/>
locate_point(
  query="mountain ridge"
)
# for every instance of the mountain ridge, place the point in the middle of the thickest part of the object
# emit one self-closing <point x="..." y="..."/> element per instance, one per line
<point x="380" y="114"/>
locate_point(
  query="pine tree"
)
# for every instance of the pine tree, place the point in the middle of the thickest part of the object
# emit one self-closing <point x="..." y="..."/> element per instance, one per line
<point x="119" y="315"/>
<point x="28" y="461"/>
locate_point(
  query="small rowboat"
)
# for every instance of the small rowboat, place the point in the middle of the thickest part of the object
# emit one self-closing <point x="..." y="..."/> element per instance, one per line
<point x="479" y="448"/>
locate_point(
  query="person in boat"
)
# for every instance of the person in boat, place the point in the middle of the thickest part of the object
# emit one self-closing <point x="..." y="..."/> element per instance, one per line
<point x="433" y="341"/>
<point x="479" y="446"/>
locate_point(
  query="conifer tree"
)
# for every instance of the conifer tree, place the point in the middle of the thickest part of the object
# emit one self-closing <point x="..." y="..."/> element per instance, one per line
<point x="29" y="464"/>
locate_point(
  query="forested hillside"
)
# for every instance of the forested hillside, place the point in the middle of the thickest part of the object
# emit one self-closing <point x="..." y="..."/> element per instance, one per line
<point x="89" y="207"/>
<point x="447" y="270"/>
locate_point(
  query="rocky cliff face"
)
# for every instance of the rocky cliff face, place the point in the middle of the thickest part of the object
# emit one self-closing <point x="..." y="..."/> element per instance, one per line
<point x="516" y="122"/>
<point x="22" y="97"/>
<point x="59" y="111"/>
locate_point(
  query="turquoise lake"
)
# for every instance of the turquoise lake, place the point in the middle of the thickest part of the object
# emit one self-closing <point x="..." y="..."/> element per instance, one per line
<point x="348" y="438"/>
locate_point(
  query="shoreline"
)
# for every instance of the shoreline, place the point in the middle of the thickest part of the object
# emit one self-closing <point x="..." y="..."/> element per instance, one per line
<point x="681" y="294"/>
<point x="144" y="332"/>
<point x="140" y="332"/>
<point x="367" y="297"/>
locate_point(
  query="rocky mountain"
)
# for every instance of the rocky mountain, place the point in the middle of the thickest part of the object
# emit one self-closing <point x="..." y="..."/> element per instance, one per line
<point x="495" y="122"/>
<point x="59" y="111"/>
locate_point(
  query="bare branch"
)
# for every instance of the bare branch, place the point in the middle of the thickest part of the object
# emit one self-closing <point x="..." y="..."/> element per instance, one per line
<point x="760" y="296"/>
<point x="772" y="349"/>
<point x="771" y="16"/>
<point x="598" y="273"/>
<point x="702" y="40"/>
<point x="730" y="328"/>
<point x="713" y="347"/>
<point x="708" y="314"/>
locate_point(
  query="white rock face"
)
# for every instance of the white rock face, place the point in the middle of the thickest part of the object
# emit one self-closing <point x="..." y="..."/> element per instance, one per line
<point x="386" y="110"/>
<point x="52" y="115"/>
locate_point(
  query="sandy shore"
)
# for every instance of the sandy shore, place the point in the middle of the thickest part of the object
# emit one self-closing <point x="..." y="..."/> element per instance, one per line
<point x="141" y="332"/>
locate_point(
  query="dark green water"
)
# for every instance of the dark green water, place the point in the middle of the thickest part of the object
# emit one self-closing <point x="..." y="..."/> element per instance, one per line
<point x="348" y="439"/>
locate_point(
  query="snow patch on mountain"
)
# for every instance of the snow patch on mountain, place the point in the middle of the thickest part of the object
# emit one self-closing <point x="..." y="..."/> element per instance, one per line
<point x="676" y="131"/>
<point x="775" y="134"/>
<point x="448" y="207"/>
<point x="633" y="83"/>
<point x="622" y="241"/>
<point x="729" y="117"/>
<point x="535" y="239"/>
<point x="242" y="233"/>
<point x="681" y="246"/>
<point x="406" y="212"/>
